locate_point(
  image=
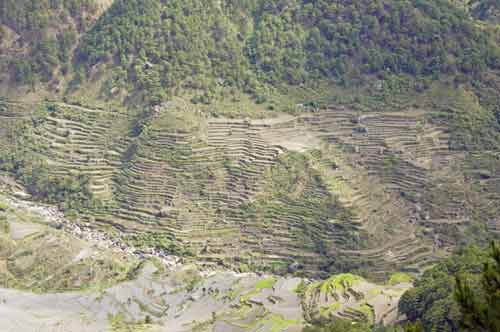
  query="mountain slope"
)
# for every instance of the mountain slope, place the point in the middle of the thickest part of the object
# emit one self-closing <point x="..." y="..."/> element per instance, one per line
<point x="252" y="44"/>
<point x="259" y="134"/>
<point x="37" y="41"/>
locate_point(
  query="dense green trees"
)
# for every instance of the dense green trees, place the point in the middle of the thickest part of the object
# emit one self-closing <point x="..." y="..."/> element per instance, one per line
<point x="156" y="48"/>
<point x="165" y="45"/>
<point x="194" y="44"/>
<point x="481" y="309"/>
<point x="162" y="46"/>
<point x="486" y="9"/>
<point x="48" y="30"/>
<point x="460" y="294"/>
<point x="250" y="44"/>
<point x="29" y="16"/>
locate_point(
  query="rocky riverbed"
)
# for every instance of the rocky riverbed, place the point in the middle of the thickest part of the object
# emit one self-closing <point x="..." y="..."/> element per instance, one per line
<point x="56" y="219"/>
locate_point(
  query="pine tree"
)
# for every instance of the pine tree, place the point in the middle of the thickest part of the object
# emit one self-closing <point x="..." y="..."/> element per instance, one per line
<point x="481" y="310"/>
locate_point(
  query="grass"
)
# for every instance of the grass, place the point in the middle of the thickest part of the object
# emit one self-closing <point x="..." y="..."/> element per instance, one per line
<point x="3" y="206"/>
<point x="331" y="290"/>
<point x="260" y="285"/>
<point x="472" y="126"/>
<point x="265" y="283"/>
<point x="339" y="283"/>
<point x="235" y="105"/>
<point x="117" y="323"/>
<point x="54" y="268"/>
<point x="247" y="296"/>
<point x="278" y="323"/>
<point x="4" y="225"/>
<point x="367" y="310"/>
<point x="300" y="288"/>
<point x="374" y="291"/>
<point x="399" y="277"/>
<point x="264" y="321"/>
<point x="329" y="310"/>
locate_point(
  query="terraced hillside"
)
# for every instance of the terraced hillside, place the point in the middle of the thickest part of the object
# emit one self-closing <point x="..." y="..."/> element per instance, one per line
<point x="55" y="275"/>
<point x="250" y="165"/>
<point x="324" y="188"/>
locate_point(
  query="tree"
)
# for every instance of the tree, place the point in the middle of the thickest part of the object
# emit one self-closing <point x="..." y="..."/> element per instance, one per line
<point x="481" y="310"/>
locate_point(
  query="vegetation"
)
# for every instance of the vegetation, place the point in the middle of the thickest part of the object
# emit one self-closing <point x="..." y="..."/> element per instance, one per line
<point x="160" y="241"/>
<point x="47" y="260"/>
<point x="481" y="309"/>
<point x="213" y="51"/>
<point x="338" y="325"/>
<point x="460" y="294"/>
<point x="161" y="47"/>
<point x="70" y="191"/>
<point x="255" y="56"/>
<point x="20" y="158"/>
<point x="118" y="323"/>
<point x="399" y="277"/>
<point x="295" y="189"/>
<point x="265" y="283"/>
<point x="472" y="125"/>
<point x="484" y="10"/>
<point x="286" y="41"/>
<point x="36" y="22"/>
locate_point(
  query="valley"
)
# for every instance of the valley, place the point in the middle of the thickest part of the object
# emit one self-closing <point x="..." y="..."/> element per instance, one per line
<point x="249" y="165"/>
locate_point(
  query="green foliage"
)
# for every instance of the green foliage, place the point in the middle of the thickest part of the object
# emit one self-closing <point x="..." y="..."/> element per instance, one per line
<point x="432" y="302"/>
<point x="341" y="325"/>
<point x="472" y="125"/>
<point x="176" y="43"/>
<point x="118" y="323"/>
<point x="161" y="48"/>
<point x="256" y="44"/>
<point x="414" y="327"/>
<point x="488" y="10"/>
<point x="338" y="325"/>
<point x="71" y="191"/>
<point x="338" y="283"/>
<point x="35" y="21"/>
<point x="20" y="159"/>
<point x="265" y="283"/>
<point x="3" y="207"/>
<point x="399" y="277"/>
<point x="160" y="241"/>
<point x="36" y="15"/>
<point x="295" y="190"/>
<point x="481" y="310"/>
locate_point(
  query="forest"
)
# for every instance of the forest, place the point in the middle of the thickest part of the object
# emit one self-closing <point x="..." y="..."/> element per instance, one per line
<point x="252" y="45"/>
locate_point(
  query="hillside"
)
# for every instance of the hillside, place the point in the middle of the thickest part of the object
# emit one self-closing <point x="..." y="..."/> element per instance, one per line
<point x="159" y="48"/>
<point x="373" y="122"/>
<point x="303" y="138"/>
<point x="38" y="38"/>
<point x="112" y="290"/>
